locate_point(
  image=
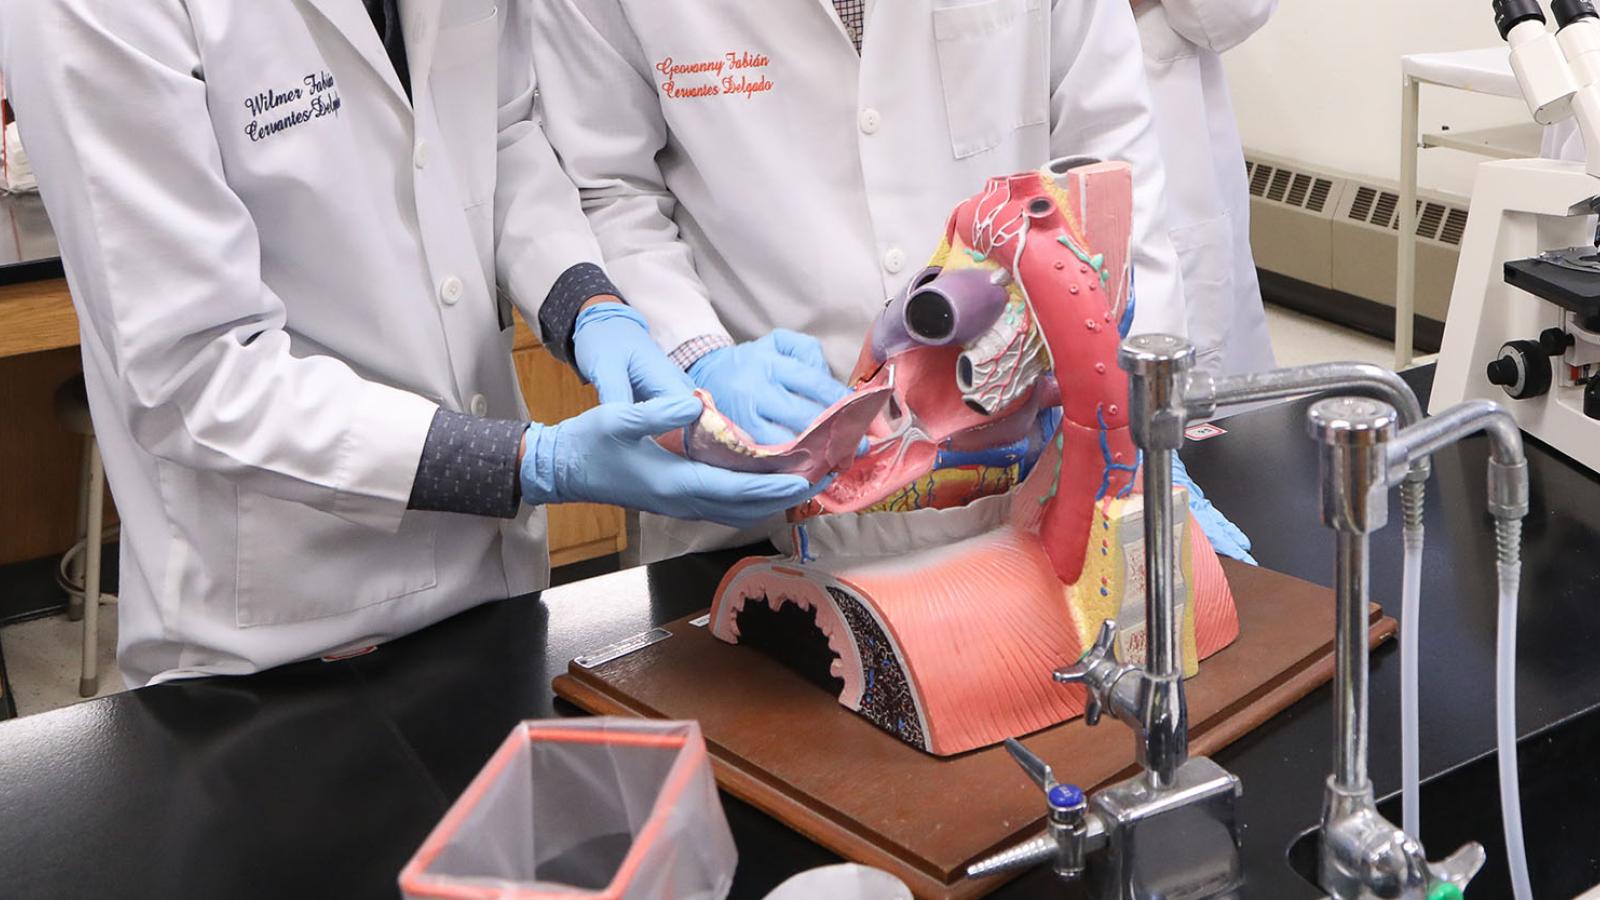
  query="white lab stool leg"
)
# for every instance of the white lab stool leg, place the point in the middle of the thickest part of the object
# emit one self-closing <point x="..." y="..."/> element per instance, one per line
<point x="1405" y="293"/>
<point x="89" y="682"/>
<point x="75" y="566"/>
<point x="81" y="571"/>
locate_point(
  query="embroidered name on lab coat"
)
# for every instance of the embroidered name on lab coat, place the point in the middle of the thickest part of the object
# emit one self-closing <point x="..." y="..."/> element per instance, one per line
<point x="733" y="74"/>
<point x="274" y="111"/>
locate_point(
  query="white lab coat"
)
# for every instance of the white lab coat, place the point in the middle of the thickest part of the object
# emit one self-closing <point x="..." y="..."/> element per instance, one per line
<point x="277" y="292"/>
<point x="806" y="201"/>
<point x="1208" y="200"/>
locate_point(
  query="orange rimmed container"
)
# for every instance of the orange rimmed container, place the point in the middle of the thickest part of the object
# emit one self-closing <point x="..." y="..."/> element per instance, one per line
<point x="621" y="809"/>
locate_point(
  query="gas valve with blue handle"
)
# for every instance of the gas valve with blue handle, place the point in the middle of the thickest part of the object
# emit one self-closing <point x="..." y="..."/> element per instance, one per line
<point x="1071" y="833"/>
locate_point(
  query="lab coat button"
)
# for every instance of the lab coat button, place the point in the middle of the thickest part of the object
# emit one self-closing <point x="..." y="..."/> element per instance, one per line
<point x="479" y="405"/>
<point x="420" y="156"/>
<point x="869" y="120"/>
<point x="894" y="261"/>
<point x="450" y="290"/>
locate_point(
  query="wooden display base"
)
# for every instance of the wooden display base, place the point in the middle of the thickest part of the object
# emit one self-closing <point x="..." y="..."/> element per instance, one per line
<point x="785" y="746"/>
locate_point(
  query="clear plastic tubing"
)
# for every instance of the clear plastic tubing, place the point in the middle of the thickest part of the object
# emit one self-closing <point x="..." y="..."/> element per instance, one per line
<point x="1508" y="567"/>
<point x="1411" y="500"/>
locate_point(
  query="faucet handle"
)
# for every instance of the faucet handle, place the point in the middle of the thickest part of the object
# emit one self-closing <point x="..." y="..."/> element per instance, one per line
<point x="1037" y="769"/>
<point x="1102" y="650"/>
<point x="1448" y="878"/>
<point x="1089" y="670"/>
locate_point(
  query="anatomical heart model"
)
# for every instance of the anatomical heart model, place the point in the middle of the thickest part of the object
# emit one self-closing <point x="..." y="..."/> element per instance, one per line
<point x="986" y="535"/>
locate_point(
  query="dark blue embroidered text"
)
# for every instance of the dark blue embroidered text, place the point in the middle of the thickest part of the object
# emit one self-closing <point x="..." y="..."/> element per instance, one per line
<point x="293" y="107"/>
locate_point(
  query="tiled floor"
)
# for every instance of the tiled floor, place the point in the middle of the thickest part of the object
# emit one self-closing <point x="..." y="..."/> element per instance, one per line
<point x="42" y="656"/>
<point x="1299" y="339"/>
<point x="42" y="659"/>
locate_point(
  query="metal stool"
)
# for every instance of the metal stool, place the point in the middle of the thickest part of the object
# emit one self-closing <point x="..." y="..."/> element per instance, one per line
<point x="80" y="566"/>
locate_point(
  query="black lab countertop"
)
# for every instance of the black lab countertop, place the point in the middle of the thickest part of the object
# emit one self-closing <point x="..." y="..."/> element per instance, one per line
<point x="321" y="779"/>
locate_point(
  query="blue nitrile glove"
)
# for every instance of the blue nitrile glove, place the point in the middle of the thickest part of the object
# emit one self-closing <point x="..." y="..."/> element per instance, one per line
<point x="612" y="347"/>
<point x="1226" y="538"/>
<point x="609" y="455"/>
<point x="772" y="388"/>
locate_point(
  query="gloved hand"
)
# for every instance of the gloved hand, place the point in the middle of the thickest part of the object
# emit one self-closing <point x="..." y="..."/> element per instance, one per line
<point x="773" y="388"/>
<point x="1226" y="538"/>
<point x="614" y="352"/>
<point x="609" y="455"/>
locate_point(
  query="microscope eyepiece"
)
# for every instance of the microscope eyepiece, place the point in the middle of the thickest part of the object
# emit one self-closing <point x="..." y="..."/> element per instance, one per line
<point x="1509" y="13"/>
<point x="1569" y="11"/>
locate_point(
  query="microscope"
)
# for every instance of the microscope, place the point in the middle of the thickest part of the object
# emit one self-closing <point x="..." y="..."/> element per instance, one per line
<point x="1524" y="322"/>
<point x="1172" y="831"/>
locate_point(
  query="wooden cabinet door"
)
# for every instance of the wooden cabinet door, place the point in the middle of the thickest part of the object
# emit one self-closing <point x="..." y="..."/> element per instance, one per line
<point x="578" y="531"/>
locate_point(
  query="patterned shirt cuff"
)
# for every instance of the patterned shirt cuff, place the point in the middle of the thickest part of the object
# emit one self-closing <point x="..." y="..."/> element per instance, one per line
<point x="558" y="317"/>
<point x="469" y="465"/>
<point x="690" y="352"/>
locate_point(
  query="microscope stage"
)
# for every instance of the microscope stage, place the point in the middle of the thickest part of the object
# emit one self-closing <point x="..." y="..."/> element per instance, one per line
<point x="1571" y="289"/>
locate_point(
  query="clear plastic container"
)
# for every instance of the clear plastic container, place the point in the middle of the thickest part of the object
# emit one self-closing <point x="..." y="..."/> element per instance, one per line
<point x="622" y="809"/>
<point x="847" y="881"/>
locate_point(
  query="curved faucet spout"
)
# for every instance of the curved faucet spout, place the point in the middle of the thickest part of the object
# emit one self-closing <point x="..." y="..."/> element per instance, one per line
<point x="1508" y="466"/>
<point x="1205" y="394"/>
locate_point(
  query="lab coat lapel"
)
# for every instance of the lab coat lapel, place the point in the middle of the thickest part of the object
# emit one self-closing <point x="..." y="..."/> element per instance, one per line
<point x="420" y="21"/>
<point x="350" y="19"/>
<point x="832" y="12"/>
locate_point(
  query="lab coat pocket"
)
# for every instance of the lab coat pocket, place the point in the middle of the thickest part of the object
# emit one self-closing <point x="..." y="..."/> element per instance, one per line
<point x="1157" y="38"/>
<point x="464" y="80"/>
<point x="299" y="564"/>
<point x="460" y="13"/>
<point x="993" y="69"/>
<point x="1205" y="258"/>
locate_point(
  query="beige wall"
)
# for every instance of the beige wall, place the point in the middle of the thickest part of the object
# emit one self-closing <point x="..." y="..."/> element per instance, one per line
<point x="1321" y="84"/>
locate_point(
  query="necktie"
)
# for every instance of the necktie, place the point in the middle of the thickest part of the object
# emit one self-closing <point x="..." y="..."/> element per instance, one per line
<point x="386" y="16"/>
<point x="853" y="14"/>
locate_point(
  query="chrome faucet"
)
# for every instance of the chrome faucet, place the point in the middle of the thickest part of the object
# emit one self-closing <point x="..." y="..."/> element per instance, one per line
<point x="1164" y="394"/>
<point x="1362" y="855"/>
<point x="1149" y="700"/>
<point x="1124" y="826"/>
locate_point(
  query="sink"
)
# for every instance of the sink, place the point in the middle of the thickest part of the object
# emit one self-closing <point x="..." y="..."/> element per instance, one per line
<point x="1560" y="814"/>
